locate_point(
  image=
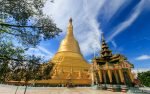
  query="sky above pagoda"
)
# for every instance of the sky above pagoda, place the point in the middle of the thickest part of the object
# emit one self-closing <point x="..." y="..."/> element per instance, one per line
<point x="125" y="24"/>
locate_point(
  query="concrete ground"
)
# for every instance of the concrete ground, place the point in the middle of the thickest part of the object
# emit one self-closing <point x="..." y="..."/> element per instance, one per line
<point x="8" y="89"/>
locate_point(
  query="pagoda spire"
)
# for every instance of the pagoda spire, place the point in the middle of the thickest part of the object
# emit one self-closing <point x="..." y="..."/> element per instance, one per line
<point x="102" y="34"/>
<point x="69" y="43"/>
<point x="105" y="52"/>
<point x="70" y="20"/>
<point x="70" y="28"/>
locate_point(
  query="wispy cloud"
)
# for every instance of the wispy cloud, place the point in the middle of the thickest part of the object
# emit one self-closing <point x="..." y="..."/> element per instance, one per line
<point x="114" y="43"/>
<point x="84" y="13"/>
<point x="129" y="21"/>
<point x="40" y="51"/>
<point x="143" y="57"/>
<point x="111" y="7"/>
<point x="44" y="50"/>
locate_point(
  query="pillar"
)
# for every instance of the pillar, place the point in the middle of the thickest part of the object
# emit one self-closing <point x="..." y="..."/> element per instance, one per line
<point x="95" y="77"/>
<point x="110" y="75"/>
<point x="92" y="74"/>
<point x="116" y="76"/>
<point x="100" y="75"/>
<point x="104" y="75"/>
<point x="130" y="74"/>
<point x="121" y="75"/>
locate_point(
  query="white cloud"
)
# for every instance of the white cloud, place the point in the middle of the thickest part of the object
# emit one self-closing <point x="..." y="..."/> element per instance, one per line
<point x="138" y="70"/>
<point x="44" y="50"/>
<point x="40" y="51"/>
<point x="84" y="13"/>
<point x="111" y="7"/>
<point x="129" y="21"/>
<point x="114" y="43"/>
<point x="143" y="57"/>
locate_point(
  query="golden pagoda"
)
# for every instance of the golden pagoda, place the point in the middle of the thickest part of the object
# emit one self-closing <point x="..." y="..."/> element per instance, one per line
<point x="69" y="64"/>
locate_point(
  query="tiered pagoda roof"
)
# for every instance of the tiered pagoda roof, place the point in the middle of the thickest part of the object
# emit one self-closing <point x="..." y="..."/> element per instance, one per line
<point x="105" y="52"/>
<point x="107" y="56"/>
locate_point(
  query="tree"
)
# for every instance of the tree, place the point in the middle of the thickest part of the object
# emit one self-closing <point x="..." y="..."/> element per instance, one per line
<point x="14" y="61"/>
<point x="22" y="21"/>
<point x="25" y="21"/>
<point x="46" y="71"/>
<point x="31" y="69"/>
<point x="15" y="65"/>
<point x="8" y="55"/>
<point x="22" y="25"/>
<point x="144" y="78"/>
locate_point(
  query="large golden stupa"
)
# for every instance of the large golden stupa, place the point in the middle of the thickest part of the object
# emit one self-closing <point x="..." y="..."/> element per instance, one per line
<point x="69" y="64"/>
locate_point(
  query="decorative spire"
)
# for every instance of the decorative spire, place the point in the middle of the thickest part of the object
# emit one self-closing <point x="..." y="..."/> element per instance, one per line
<point x="70" y="28"/>
<point x="105" y="52"/>
<point x="70" y="23"/>
<point x="70" y="20"/>
<point x="102" y="34"/>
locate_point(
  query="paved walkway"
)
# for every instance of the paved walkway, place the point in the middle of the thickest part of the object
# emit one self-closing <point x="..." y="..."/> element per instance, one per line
<point x="8" y="89"/>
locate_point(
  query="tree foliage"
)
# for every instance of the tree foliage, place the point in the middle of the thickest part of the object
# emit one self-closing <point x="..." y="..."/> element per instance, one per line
<point x="22" y="25"/>
<point x="15" y="65"/>
<point x="9" y="54"/>
<point x="144" y="78"/>
<point x="25" y="20"/>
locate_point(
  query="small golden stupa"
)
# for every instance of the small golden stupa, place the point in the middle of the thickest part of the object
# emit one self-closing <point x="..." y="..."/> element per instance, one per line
<point x="69" y="64"/>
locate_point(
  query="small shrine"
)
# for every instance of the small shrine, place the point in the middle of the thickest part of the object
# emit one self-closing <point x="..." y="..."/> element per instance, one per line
<point x="111" y="68"/>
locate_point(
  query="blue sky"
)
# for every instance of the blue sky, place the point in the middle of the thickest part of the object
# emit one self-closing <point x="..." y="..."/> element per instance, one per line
<point x="125" y="24"/>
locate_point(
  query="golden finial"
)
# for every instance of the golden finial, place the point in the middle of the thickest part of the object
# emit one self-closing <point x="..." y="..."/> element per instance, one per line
<point x="70" y="24"/>
<point x="102" y="34"/>
<point x="70" y="20"/>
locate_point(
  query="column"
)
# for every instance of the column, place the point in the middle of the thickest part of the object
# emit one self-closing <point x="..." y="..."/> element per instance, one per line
<point x="104" y="75"/>
<point x="116" y="76"/>
<point x="95" y="77"/>
<point x="121" y="75"/>
<point x="100" y="75"/>
<point x="130" y="74"/>
<point x="110" y="75"/>
<point x="92" y="75"/>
